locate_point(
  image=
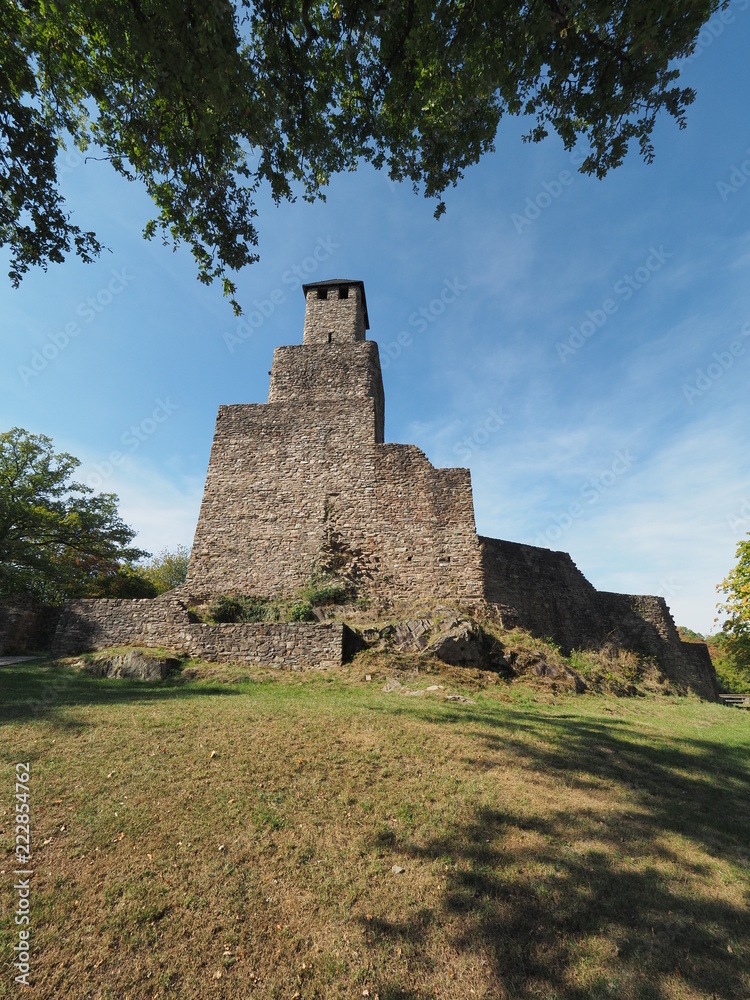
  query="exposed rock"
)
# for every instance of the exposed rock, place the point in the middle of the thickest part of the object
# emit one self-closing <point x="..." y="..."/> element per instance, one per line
<point x="456" y="640"/>
<point x="461" y="643"/>
<point x="536" y="665"/>
<point x="135" y="664"/>
<point x="409" y="636"/>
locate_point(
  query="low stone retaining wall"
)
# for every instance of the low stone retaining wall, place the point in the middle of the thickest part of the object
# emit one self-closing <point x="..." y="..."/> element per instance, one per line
<point x="293" y="646"/>
<point x="88" y="625"/>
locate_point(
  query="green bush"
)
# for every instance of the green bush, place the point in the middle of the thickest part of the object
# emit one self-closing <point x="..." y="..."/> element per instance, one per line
<point x="167" y="570"/>
<point x="229" y="608"/>
<point x="237" y="608"/>
<point x="318" y="593"/>
<point x="301" y="611"/>
<point x="733" y="676"/>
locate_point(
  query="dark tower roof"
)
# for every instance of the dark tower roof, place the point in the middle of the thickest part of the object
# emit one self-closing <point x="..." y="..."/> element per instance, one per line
<point x="335" y="283"/>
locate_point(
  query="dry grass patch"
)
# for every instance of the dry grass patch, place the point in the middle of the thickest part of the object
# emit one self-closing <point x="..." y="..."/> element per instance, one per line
<point x="211" y="839"/>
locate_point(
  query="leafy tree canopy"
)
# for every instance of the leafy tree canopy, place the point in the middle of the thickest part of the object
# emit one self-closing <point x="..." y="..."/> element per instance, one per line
<point x="57" y="539"/>
<point x="167" y="570"/>
<point x="736" y="629"/>
<point x="205" y="101"/>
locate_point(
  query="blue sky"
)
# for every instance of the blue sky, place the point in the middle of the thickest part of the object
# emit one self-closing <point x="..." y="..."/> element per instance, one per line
<point x="582" y="346"/>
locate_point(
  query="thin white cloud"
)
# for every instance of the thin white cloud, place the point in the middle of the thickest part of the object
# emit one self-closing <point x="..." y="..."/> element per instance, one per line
<point x="162" y="510"/>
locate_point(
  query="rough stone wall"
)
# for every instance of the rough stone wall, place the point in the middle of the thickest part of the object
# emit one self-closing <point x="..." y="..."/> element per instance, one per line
<point x="696" y="670"/>
<point x="26" y="625"/>
<point x="645" y="625"/>
<point x="262" y="518"/>
<point x="323" y="372"/>
<point x="293" y="646"/>
<point x="87" y="625"/>
<point x="331" y="319"/>
<point x="409" y="526"/>
<point x="97" y="623"/>
<point x="287" y="481"/>
<point x="540" y="591"/>
<point x="636" y="621"/>
<point x="546" y="594"/>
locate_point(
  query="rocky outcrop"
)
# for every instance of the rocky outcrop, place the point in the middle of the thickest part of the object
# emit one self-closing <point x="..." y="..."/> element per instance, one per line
<point x="457" y="640"/>
<point x="137" y="664"/>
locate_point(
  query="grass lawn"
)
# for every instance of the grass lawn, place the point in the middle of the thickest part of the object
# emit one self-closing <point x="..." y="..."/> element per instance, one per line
<point x="312" y="835"/>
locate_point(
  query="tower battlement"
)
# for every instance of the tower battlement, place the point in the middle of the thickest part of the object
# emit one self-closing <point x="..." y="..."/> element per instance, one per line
<point x="335" y="312"/>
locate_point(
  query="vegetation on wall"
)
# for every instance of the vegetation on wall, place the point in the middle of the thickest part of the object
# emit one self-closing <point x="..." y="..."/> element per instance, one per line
<point x="320" y="591"/>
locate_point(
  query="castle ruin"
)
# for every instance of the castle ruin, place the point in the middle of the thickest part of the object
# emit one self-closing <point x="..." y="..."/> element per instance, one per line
<point x="307" y="483"/>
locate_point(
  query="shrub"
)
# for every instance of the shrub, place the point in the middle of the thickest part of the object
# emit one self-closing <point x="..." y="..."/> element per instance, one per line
<point x="167" y="570"/>
<point x="301" y="611"/>
<point x="236" y="608"/>
<point x="320" y="592"/>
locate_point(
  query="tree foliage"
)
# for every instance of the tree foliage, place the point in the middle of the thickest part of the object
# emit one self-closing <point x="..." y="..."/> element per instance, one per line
<point x="205" y="101"/>
<point x="736" y="605"/>
<point x="167" y="570"/>
<point x="57" y="539"/>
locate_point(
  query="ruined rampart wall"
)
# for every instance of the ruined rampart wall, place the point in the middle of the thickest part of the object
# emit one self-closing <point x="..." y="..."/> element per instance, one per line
<point x="645" y="625"/>
<point x="546" y="594"/>
<point x="696" y="669"/>
<point x="636" y="622"/>
<point x="541" y="591"/>
<point x="97" y="623"/>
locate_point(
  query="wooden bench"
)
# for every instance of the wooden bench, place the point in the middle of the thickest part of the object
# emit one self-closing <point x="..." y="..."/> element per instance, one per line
<point x="738" y="700"/>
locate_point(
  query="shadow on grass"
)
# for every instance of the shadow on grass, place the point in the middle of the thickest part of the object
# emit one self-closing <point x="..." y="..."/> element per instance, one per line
<point x="588" y="903"/>
<point x="38" y="689"/>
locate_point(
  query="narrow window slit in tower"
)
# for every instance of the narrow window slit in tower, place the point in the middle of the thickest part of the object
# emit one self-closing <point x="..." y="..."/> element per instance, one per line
<point x="330" y="338"/>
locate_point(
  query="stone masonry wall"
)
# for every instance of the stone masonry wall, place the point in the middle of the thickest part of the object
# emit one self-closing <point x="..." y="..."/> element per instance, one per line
<point x="545" y="593"/>
<point x="87" y="625"/>
<point x="26" y="625"/>
<point x="696" y="669"/>
<point x="97" y="623"/>
<point x="644" y="624"/>
<point x="287" y="480"/>
<point x="326" y="372"/>
<point x="331" y="319"/>
<point x="541" y="591"/>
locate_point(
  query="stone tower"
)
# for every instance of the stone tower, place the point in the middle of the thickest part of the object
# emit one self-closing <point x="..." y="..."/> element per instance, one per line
<point x="306" y="482"/>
